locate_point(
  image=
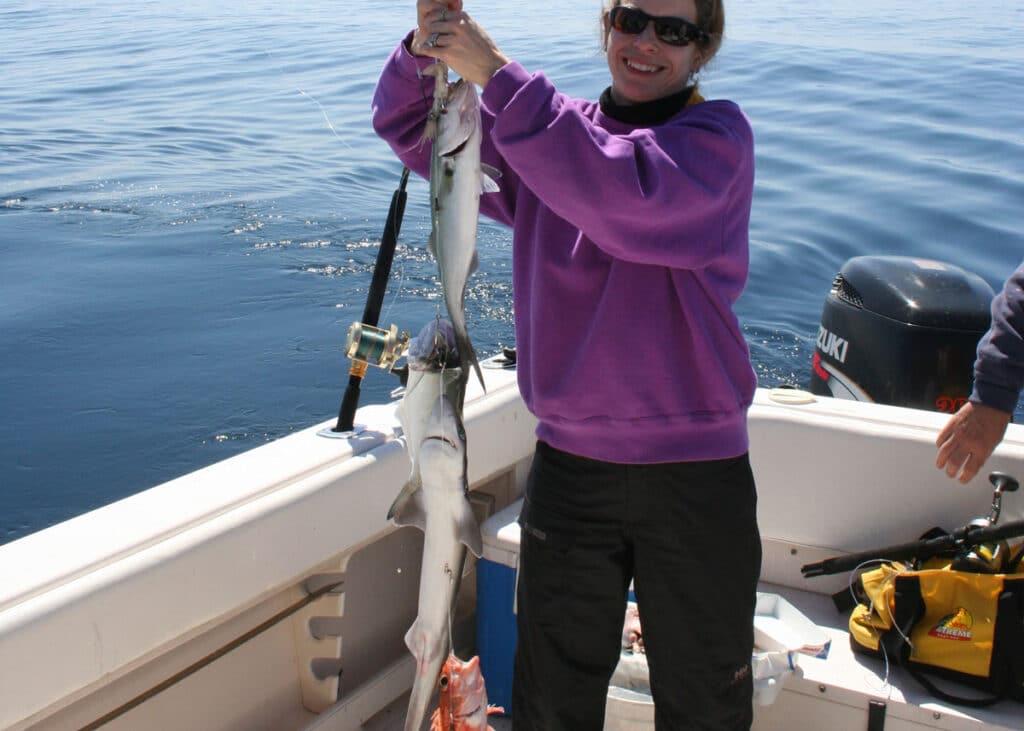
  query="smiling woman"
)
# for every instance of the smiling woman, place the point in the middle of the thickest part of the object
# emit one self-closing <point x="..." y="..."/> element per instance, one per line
<point x="653" y="218"/>
<point x="658" y="52"/>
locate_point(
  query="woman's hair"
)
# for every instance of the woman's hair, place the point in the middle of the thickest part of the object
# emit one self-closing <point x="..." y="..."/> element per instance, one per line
<point x="710" y="19"/>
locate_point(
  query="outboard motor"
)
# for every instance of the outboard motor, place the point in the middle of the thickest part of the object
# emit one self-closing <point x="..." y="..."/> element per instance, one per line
<point x="901" y="331"/>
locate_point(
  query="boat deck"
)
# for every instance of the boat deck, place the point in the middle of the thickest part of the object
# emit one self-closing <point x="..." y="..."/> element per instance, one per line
<point x="848" y="680"/>
<point x="831" y="693"/>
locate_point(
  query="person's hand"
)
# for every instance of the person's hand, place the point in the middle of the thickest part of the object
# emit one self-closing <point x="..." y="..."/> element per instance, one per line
<point x="427" y="13"/>
<point x="969" y="438"/>
<point x="444" y="31"/>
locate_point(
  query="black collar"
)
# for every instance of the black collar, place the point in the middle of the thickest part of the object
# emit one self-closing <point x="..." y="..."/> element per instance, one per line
<point x="645" y="114"/>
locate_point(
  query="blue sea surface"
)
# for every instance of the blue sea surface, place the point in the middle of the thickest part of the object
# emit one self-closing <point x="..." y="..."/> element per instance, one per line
<point x="192" y="196"/>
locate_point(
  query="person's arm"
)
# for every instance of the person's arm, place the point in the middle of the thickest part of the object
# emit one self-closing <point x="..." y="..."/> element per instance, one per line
<point x="972" y="434"/>
<point x="675" y="195"/>
<point x="403" y="98"/>
<point x="999" y="369"/>
<point x="400" y="105"/>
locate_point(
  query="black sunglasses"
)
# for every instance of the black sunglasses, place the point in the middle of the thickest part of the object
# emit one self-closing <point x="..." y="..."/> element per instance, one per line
<point x="668" y="29"/>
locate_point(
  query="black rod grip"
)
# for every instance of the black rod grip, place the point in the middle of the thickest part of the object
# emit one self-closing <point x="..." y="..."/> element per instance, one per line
<point x="922" y="550"/>
<point x="349" y="404"/>
<point x="386" y="254"/>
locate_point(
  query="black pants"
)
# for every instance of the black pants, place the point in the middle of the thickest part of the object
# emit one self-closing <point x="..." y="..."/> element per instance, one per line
<point x="686" y="534"/>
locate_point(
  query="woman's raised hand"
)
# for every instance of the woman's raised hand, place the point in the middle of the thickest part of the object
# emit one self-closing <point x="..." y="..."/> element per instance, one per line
<point x="446" y="32"/>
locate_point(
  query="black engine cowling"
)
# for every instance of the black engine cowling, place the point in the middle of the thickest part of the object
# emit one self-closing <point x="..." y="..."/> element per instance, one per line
<point x="901" y="331"/>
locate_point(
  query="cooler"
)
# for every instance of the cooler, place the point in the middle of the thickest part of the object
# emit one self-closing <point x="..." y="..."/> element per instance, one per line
<point x="495" y="603"/>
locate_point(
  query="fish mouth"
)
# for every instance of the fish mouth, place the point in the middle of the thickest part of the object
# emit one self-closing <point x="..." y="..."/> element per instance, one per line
<point x="472" y="712"/>
<point x="441" y="438"/>
<point x="457" y="150"/>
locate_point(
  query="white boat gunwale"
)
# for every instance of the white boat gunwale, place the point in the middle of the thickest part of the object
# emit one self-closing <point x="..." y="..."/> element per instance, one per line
<point x="94" y="608"/>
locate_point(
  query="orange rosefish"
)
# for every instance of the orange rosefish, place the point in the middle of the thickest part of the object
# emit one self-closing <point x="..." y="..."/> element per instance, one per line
<point x="463" y="698"/>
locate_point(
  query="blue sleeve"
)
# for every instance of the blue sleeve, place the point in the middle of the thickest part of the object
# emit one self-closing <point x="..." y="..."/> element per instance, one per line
<point x="999" y="369"/>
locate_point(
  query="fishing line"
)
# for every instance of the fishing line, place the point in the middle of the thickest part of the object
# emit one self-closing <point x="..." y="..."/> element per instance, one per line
<point x="327" y="119"/>
<point x="394" y="298"/>
<point x="451" y="609"/>
<point x="892" y="619"/>
<point x="886" y="686"/>
<point x="440" y="394"/>
<point x="451" y="631"/>
<point x="398" y="292"/>
<point x="853" y="573"/>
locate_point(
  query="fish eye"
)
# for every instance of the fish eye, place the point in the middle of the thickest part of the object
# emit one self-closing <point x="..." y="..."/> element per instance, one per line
<point x="443" y="682"/>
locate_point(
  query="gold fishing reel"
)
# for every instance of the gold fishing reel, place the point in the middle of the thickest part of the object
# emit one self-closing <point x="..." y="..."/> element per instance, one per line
<point x="368" y="345"/>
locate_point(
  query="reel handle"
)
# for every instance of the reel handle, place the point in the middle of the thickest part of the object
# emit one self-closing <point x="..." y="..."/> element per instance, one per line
<point x="1002" y="482"/>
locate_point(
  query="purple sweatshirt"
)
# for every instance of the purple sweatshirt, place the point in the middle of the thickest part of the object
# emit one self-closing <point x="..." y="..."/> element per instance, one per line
<point x="630" y="247"/>
<point x="999" y="369"/>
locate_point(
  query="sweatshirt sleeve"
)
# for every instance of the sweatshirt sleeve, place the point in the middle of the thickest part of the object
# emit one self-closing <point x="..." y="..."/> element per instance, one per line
<point x="673" y="195"/>
<point x="400" y="105"/>
<point x="401" y="102"/>
<point x="999" y="369"/>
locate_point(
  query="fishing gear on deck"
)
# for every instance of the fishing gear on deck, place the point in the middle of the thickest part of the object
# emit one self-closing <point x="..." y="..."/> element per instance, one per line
<point x="921" y="550"/>
<point x="947" y="607"/>
<point x="366" y="343"/>
<point x="977" y="533"/>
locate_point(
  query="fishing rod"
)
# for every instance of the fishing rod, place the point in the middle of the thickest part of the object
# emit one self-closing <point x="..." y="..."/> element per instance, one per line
<point x="978" y="532"/>
<point x="366" y="343"/>
<point x="920" y="550"/>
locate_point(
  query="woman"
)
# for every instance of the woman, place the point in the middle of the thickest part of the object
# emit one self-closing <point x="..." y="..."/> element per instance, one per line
<point x="630" y="245"/>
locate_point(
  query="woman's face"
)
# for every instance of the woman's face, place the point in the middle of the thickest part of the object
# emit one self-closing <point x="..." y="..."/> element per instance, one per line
<point x="644" y="68"/>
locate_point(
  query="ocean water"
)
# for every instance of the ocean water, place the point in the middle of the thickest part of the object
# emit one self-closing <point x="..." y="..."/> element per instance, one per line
<point x="191" y="198"/>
